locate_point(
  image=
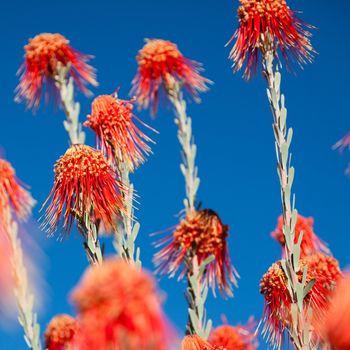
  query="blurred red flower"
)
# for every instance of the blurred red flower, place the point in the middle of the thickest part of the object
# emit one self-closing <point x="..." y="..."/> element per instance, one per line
<point x="160" y="63"/>
<point x="43" y="55"/>
<point x="119" y="308"/>
<point x="60" y="333"/>
<point x="257" y="18"/>
<point x="201" y="233"/>
<point x="118" y="137"/>
<point x="310" y="243"/>
<point x="85" y="185"/>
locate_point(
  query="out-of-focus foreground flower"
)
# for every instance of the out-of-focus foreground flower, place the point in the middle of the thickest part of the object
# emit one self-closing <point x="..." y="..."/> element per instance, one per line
<point x="60" y="333"/>
<point x="119" y="308"/>
<point x="44" y="54"/>
<point x="160" y="64"/>
<point x="310" y="243"/>
<point x="277" y="313"/>
<point x="13" y="194"/>
<point x="202" y="234"/>
<point x="335" y="329"/>
<point x="288" y="33"/>
<point x="118" y="137"/>
<point x="85" y="185"/>
<point x="234" y="338"/>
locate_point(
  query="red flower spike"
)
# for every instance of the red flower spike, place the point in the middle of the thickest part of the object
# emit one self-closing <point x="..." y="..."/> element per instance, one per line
<point x="159" y="64"/>
<point x="84" y="185"/>
<point x="13" y="194"/>
<point x="60" y="333"/>
<point x="202" y="233"/>
<point x="335" y="329"/>
<point x="289" y="34"/>
<point x="234" y="338"/>
<point x="118" y="137"/>
<point x="310" y="243"/>
<point x="118" y="308"/>
<point x="43" y="55"/>
<point x="277" y="311"/>
<point x="195" y="342"/>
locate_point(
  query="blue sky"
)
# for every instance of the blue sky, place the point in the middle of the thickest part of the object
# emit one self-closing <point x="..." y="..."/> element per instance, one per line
<point x="232" y="128"/>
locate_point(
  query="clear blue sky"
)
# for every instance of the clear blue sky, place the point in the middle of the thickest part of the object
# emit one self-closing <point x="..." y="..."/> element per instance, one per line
<point x="232" y="128"/>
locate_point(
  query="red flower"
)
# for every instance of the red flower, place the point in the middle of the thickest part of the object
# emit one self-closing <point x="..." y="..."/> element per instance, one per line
<point x="118" y="308"/>
<point x="289" y="34"/>
<point x="310" y="243"/>
<point x="335" y="329"/>
<point x="12" y="193"/>
<point x="161" y="63"/>
<point x="343" y="143"/>
<point x="234" y="338"/>
<point x="195" y="342"/>
<point x="277" y="311"/>
<point x="118" y="137"/>
<point x="43" y="55"/>
<point x="202" y="234"/>
<point x="84" y="185"/>
<point x="60" y="333"/>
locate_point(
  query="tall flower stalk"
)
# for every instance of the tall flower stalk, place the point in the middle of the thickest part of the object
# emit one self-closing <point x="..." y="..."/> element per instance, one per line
<point x="163" y="69"/>
<point x="16" y="201"/>
<point x="267" y="28"/>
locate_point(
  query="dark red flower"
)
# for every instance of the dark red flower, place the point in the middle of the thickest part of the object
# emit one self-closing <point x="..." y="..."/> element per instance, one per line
<point x="202" y="234"/>
<point x="118" y="137"/>
<point x="257" y="18"/>
<point x="43" y="55"/>
<point x="85" y="185"/>
<point x="160" y="63"/>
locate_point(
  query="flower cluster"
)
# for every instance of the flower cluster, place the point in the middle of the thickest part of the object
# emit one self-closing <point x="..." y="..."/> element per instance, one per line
<point x="85" y="185"/>
<point x="160" y="65"/>
<point x="261" y="18"/>
<point x="44" y="55"/>
<point x="200" y="233"/>
<point x="118" y="308"/>
<point x="118" y="137"/>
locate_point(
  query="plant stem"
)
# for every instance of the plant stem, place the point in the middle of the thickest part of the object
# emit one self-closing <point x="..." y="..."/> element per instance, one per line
<point x="24" y="299"/>
<point x="197" y="289"/>
<point x="299" y="330"/>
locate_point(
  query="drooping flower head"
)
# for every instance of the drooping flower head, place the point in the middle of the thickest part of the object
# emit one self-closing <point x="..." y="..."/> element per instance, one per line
<point x="119" y="308"/>
<point x="160" y="64"/>
<point x="310" y="243"/>
<point x="43" y="55"/>
<point x="201" y="233"/>
<point x="259" y="18"/>
<point x="195" y="342"/>
<point x="118" y="137"/>
<point x="12" y="193"/>
<point x="60" y="333"/>
<point x="273" y="286"/>
<point x="335" y="329"/>
<point x="84" y="185"/>
<point x="234" y="338"/>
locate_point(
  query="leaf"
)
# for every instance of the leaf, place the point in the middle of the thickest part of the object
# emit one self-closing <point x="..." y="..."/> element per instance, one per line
<point x="308" y="287"/>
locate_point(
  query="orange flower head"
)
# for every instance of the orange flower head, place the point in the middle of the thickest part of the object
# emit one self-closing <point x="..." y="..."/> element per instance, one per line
<point x="335" y="329"/>
<point x="288" y="33"/>
<point x="60" y="333"/>
<point x="119" y="308"/>
<point x="84" y="185"/>
<point x="201" y="233"/>
<point x="310" y="243"/>
<point x="118" y="137"/>
<point x="13" y="194"/>
<point x="44" y="54"/>
<point x="277" y="311"/>
<point x="160" y="64"/>
<point x="195" y="342"/>
<point x="234" y="338"/>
